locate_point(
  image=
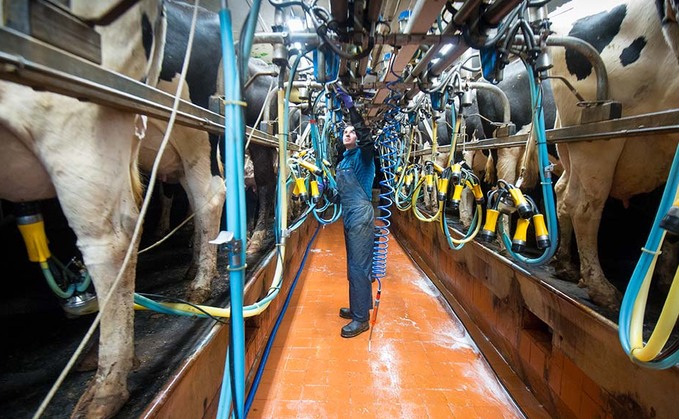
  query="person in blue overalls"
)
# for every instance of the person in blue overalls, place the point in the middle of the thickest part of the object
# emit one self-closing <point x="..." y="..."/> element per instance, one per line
<point x="355" y="175"/>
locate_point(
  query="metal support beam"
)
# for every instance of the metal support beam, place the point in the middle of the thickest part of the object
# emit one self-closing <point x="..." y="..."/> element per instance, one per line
<point x="465" y="11"/>
<point x="286" y="38"/>
<point x="43" y="67"/>
<point x="403" y="39"/>
<point x="423" y="15"/>
<point x="638" y="126"/>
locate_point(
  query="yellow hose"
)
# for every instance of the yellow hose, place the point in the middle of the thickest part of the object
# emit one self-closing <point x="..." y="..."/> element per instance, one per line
<point x="666" y="321"/>
<point x="416" y="211"/>
<point x="453" y="143"/>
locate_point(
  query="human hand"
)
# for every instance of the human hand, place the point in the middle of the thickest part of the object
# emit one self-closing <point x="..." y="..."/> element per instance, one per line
<point x="345" y="98"/>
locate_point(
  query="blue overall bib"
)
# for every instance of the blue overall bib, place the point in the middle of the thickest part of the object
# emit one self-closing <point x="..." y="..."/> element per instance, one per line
<point x="359" y="226"/>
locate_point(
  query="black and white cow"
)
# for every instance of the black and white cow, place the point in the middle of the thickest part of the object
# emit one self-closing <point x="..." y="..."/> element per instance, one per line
<point x="637" y="41"/>
<point x="186" y="160"/>
<point x="202" y="80"/>
<point x="86" y="155"/>
<point x="486" y="111"/>
<point x="263" y="157"/>
<point x="481" y="119"/>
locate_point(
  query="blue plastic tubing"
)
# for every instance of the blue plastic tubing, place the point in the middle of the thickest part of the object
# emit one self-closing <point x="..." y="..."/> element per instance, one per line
<point x="547" y="192"/>
<point x="642" y="267"/>
<point x="233" y="381"/>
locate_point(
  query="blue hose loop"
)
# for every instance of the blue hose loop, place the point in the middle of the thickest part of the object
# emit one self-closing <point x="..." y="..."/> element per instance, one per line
<point x="274" y="331"/>
<point x="320" y="146"/>
<point x="468" y="179"/>
<point x="72" y="282"/>
<point x="545" y="178"/>
<point x="642" y="267"/>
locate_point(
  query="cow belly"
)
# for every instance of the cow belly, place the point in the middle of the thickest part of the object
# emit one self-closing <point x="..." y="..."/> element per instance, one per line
<point x="22" y="175"/>
<point x="170" y="168"/>
<point x="643" y="166"/>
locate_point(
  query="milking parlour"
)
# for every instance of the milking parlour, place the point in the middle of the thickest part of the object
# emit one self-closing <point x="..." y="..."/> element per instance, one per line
<point x="339" y="209"/>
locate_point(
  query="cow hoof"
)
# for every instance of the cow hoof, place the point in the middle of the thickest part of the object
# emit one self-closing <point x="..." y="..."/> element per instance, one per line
<point x="608" y="297"/>
<point x="198" y="295"/>
<point x="254" y="247"/>
<point x="93" y="405"/>
<point x="567" y="272"/>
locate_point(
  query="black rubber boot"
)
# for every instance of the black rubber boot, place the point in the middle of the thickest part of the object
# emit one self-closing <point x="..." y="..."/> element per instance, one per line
<point x="345" y="313"/>
<point x="354" y="328"/>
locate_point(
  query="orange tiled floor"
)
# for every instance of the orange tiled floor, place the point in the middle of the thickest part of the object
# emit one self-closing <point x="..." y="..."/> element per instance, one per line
<point x="422" y="362"/>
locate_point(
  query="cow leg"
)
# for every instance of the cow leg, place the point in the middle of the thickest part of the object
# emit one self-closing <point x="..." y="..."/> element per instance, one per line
<point x="165" y="193"/>
<point x="265" y="178"/>
<point x="206" y="194"/>
<point x="666" y="266"/>
<point x="467" y="204"/>
<point x="564" y="266"/>
<point x="586" y="193"/>
<point x="208" y="199"/>
<point x="104" y="223"/>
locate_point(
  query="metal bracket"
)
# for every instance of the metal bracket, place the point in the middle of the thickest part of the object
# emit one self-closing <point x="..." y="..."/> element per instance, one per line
<point x="233" y="246"/>
<point x="505" y="130"/>
<point x="599" y="111"/>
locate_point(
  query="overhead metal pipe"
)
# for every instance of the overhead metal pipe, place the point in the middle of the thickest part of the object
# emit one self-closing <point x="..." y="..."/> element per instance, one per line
<point x="423" y="15"/>
<point x="498" y="10"/>
<point x="388" y="12"/>
<point x="437" y="68"/>
<point x="589" y="52"/>
<point x="401" y="39"/>
<point x="504" y="101"/>
<point x="465" y="10"/>
<point x="447" y="60"/>
<point x="286" y="37"/>
<point x="428" y="56"/>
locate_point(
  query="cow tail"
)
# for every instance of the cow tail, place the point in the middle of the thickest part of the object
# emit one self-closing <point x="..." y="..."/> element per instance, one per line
<point x="529" y="163"/>
<point x="491" y="176"/>
<point x="135" y="180"/>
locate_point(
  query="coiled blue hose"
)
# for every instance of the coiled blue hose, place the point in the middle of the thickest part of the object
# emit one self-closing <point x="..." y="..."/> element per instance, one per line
<point x="388" y="162"/>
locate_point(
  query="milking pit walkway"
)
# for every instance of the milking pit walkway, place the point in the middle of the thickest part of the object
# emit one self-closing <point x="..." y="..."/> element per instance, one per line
<point x="422" y="362"/>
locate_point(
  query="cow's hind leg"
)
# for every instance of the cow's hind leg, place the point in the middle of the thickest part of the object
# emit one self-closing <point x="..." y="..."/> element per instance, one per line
<point x="102" y="210"/>
<point x="208" y="199"/>
<point x="564" y="266"/>
<point x="262" y="159"/>
<point x="586" y="195"/>
<point x="206" y="192"/>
